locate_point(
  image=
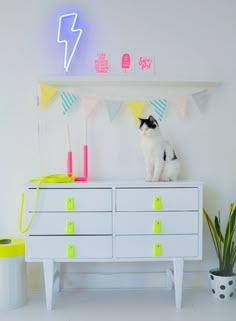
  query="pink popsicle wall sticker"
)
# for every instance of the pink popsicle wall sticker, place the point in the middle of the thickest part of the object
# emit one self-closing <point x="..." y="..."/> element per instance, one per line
<point x="125" y="62"/>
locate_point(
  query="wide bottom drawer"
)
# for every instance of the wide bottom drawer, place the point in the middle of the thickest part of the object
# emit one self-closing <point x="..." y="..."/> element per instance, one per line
<point x="67" y="247"/>
<point x="163" y="246"/>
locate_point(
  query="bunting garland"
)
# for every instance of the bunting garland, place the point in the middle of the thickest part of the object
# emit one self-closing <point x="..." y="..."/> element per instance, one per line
<point x="90" y="103"/>
<point x="180" y="103"/>
<point x="201" y="99"/>
<point x="47" y="93"/>
<point x="159" y="106"/>
<point x="136" y="109"/>
<point x="113" y="107"/>
<point x="67" y="100"/>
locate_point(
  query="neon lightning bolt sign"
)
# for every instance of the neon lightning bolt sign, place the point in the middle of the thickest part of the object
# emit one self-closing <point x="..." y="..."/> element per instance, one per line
<point x="70" y="35"/>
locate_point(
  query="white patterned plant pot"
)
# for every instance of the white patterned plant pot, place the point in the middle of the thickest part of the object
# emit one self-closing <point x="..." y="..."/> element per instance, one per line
<point x="222" y="287"/>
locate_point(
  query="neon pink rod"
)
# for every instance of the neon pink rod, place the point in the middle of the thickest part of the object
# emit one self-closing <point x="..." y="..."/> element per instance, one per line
<point x="86" y="161"/>
<point x="69" y="164"/>
<point x="85" y="177"/>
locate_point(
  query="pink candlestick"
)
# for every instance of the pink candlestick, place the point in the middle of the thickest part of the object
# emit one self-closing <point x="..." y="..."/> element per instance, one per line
<point x="69" y="164"/>
<point x="80" y="179"/>
<point x="85" y="177"/>
<point x="86" y="160"/>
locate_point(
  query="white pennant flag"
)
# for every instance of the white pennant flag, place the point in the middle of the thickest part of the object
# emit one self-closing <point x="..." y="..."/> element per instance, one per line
<point x="201" y="98"/>
<point x="113" y="107"/>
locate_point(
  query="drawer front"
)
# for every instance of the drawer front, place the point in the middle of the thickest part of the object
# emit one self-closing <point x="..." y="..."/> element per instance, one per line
<point x="163" y="246"/>
<point x="71" y="223"/>
<point x="156" y="199"/>
<point x="78" y="199"/>
<point x="156" y="223"/>
<point x="68" y="247"/>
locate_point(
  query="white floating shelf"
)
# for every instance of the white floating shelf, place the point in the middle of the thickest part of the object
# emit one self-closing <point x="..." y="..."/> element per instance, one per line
<point x="124" y="81"/>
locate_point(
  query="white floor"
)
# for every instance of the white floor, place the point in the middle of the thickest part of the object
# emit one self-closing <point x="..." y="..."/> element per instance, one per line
<point x="122" y="305"/>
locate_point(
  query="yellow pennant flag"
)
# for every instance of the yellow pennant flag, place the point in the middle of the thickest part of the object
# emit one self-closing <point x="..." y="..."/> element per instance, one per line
<point x="46" y="94"/>
<point x="136" y="109"/>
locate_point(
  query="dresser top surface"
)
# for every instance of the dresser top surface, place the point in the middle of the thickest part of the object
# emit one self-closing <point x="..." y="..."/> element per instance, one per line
<point x="118" y="184"/>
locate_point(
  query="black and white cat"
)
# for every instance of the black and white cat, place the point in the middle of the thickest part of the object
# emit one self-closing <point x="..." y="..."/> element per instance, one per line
<point x="161" y="161"/>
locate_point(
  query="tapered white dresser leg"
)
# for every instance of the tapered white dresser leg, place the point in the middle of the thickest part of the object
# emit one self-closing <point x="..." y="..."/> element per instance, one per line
<point x="48" y="280"/>
<point x="57" y="277"/>
<point x="178" y="278"/>
<point x="169" y="279"/>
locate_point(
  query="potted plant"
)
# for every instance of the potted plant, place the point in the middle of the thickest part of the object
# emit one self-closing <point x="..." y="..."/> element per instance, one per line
<point x="223" y="278"/>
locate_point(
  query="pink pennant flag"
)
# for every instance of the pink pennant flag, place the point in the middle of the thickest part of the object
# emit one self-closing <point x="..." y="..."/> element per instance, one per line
<point x="180" y="103"/>
<point x="89" y="105"/>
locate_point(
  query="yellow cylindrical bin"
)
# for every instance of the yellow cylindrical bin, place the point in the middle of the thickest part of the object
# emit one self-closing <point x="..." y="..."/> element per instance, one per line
<point x="13" y="290"/>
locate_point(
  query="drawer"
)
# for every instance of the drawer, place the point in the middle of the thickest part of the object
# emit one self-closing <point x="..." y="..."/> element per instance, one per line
<point x="150" y="246"/>
<point x="71" y="199"/>
<point x="68" y="247"/>
<point x="71" y="223"/>
<point x="146" y="199"/>
<point x="156" y="223"/>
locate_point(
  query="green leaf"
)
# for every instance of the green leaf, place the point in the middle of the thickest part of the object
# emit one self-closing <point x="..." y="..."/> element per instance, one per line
<point x="218" y="230"/>
<point x="214" y="236"/>
<point x="229" y="233"/>
<point x="233" y="219"/>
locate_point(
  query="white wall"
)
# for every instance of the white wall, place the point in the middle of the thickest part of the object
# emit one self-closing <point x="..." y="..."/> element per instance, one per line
<point x="191" y="40"/>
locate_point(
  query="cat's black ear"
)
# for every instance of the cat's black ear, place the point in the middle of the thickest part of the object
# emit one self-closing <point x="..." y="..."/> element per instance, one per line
<point x="153" y="120"/>
<point x="141" y="122"/>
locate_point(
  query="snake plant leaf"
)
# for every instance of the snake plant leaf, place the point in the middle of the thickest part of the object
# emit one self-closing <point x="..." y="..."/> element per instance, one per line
<point x="233" y="220"/>
<point x="229" y="230"/>
<point x="218" y="230"/>
<point x="214" y="236"/>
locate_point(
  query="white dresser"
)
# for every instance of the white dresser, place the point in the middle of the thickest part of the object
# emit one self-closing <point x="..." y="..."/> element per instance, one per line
<point x="114" y="222"/>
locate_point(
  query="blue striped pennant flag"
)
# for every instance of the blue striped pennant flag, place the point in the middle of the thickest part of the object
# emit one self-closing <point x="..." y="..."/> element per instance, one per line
<point x="67" y="100"/>
<point x="159" y="106"/>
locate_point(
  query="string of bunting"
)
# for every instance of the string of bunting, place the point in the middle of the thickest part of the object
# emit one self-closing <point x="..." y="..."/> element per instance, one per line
<point x="90" y="103"/>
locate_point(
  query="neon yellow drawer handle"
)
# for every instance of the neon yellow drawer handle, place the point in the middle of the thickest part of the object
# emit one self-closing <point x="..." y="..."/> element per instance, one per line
<point x="157" y="203"/>
<point x="157" y="249"/>
<point x="156" y="226"/>
<point x="70" y="251"/>
<point x="70" y="227"/>
<point x="70" y="204"/>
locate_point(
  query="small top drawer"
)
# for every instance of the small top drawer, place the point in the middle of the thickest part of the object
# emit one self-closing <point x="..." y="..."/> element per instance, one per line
<point x="71" y="199"/>
<point x="154" y="199"/>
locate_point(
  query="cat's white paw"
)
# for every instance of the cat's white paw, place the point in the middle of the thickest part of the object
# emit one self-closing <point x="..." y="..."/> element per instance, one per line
<point x="148" y="179"/>
<point x="155" y="179"/>
<point x="165" y="179"/>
